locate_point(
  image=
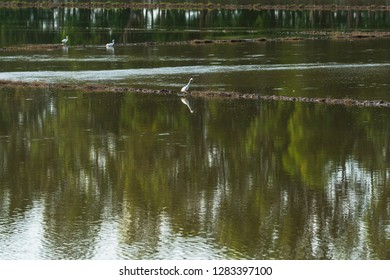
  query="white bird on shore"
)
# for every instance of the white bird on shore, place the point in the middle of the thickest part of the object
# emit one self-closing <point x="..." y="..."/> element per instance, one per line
<point x="110" y="45"/>
<point x="186" y="87"/>
<point x="64" y="41"/>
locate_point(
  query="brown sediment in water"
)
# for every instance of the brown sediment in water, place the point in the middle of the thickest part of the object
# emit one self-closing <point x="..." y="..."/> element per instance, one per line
<point x="200" y="94"/>
<point x="33" y="47"/>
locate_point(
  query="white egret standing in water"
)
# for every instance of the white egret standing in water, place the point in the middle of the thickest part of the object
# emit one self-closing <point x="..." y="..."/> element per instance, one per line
<point x="110" y="45"/>
<point x="186" y="87"/>
<point x="64" y="41"/>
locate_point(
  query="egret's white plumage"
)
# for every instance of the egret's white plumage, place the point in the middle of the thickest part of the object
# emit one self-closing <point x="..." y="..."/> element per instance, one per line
<point x="64" y="41"/>
<point x="186" y="87"/>
<point x="110" y="45"/>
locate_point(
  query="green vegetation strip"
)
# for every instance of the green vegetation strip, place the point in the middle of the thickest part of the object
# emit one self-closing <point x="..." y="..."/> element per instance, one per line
<point x="203" y="94"/>
<point x="192" y="6"/>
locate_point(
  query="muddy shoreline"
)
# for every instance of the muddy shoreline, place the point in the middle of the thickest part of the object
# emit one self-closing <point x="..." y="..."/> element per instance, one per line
<point x="192" y="6"/>
<point x="96" y="88"/>
<point x="300" y="36"/>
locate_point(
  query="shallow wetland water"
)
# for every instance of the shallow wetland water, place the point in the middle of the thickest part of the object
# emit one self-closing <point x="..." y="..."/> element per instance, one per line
<point x="116" y="174"/>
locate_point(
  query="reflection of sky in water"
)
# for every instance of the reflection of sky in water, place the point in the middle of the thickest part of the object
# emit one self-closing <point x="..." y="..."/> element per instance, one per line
<point x="60" y="76"/>
<point x="23" y="237"/>
<point x="27" y="237"/>
<point x="355" y="201"/>
<point x="338" y="80"/>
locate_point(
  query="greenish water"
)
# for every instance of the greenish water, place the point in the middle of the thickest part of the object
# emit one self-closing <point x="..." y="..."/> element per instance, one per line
<point x="140" y="176"/>
<point x="111" y="176"/>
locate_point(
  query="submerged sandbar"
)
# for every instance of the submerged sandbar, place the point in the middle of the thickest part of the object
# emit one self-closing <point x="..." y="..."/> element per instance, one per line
<point x="95" y="87"/>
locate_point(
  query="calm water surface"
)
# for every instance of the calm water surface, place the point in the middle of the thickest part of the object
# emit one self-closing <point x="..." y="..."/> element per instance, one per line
<point x="110" y="176"/>
<point x="129" y="176"/>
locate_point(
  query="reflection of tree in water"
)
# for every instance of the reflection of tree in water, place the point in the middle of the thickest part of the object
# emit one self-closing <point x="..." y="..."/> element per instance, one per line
<point x="96" y="26"/>
<point x="252" y="179"/>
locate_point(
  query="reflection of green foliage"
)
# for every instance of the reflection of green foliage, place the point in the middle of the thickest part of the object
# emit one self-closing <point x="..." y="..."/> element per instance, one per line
<point x="309" y="141"/>
<point x="320" y="139"/>
<point x="254" y="177"/>
<point x="99" y="26"/>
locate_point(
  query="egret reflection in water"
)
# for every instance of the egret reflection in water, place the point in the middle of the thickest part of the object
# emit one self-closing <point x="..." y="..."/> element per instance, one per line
<point x="65" y="50"/>
<point x="110" y="50"/>
<point x="187" y="103"/>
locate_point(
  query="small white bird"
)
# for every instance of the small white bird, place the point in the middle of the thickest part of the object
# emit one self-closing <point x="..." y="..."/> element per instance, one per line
<point x="64" y="41"/>
<point x="110" y="45"/>
<point x="186" y="87"/>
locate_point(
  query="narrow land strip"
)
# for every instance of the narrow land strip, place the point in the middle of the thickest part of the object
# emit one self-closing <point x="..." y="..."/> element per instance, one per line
<point x="305" y="35"/>
<point x="203" y="94"/>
